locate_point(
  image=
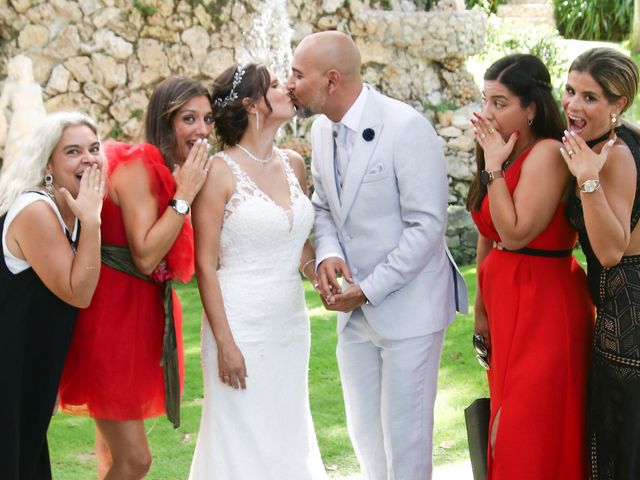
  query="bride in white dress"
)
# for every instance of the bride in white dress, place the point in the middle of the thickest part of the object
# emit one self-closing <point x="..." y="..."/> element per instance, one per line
<point x="252" y="221"/>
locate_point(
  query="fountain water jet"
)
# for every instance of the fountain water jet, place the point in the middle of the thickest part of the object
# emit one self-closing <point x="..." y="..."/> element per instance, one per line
<point x="269" y="41"/>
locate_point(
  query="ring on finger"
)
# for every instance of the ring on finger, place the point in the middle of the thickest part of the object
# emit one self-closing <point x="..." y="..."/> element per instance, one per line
<point x="206" y="169"/>
<point x="570" y="153"/>
<point x="491" y="131"/>
<point x="482" y="135"/>
<point x="97" y="189"/>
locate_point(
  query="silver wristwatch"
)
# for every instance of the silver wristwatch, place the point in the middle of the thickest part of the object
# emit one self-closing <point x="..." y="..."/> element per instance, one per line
<point x="590" y="186"/>
<point x="180" y="206"/>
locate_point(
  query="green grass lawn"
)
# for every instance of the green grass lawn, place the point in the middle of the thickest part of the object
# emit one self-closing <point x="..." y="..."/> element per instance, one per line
<point x="461" y="380"/>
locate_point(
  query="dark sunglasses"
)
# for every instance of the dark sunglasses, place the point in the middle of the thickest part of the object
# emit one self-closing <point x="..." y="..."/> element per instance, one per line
<point x="481" y="350"/>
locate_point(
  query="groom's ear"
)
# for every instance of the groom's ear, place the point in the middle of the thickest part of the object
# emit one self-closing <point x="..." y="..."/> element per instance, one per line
<point x="333" y="79"/>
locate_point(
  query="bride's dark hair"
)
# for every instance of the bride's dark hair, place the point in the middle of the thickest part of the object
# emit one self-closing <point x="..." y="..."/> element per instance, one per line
<point x="230" y="117"/>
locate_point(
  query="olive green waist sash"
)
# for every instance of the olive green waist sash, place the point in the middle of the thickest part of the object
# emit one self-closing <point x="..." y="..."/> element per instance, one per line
<point x="119" y="258"/>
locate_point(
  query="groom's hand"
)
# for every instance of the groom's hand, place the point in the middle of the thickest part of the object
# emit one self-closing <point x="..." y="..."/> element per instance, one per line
<point x="352" y="298"/>
<point x="328" y="271"/>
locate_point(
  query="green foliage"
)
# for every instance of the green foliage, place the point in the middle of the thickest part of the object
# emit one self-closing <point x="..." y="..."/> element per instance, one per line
<point x="442" y="106"/>
<point x="505" y="37"/>
<point x="144" y="9"/>
<point x="116" y="133"/>
<point x="489" y="6"/>
<point x="380" y="4"/>
<point x="138" y="113"/>
<point x="594" y="19"/>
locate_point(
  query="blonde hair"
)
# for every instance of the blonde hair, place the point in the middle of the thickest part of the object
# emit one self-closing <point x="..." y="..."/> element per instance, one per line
<point x="27" y="170"/>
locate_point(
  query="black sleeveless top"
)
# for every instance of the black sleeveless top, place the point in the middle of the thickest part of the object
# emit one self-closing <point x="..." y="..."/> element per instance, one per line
<point x="575" y="215"/>
<point x="35" y="328"/>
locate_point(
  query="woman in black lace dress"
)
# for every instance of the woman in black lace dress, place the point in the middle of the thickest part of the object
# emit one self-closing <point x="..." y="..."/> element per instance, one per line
<point x="603" y="154"/>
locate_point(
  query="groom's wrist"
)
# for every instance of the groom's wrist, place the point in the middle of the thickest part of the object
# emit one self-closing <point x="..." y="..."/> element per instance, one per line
<point x="365" y="300"/>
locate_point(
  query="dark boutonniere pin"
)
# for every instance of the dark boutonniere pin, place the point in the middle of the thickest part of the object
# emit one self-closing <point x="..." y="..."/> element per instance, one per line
<point x="368" y="134"/>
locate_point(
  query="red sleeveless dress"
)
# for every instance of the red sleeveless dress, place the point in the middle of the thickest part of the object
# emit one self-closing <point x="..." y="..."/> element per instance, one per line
<point x="540" y="321"/>
<point x="112" y="370"/>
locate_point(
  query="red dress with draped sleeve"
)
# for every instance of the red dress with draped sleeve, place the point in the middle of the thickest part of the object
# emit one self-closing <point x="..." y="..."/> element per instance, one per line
<point x="540" y="321"/>
<point x="112" y="370"/>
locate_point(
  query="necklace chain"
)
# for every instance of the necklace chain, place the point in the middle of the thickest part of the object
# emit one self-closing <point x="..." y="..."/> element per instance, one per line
<point x="512" y="158"/>
<point x="253" y="157"/>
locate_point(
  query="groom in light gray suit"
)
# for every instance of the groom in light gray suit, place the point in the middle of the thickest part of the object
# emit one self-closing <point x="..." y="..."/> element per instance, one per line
<point x="381" y="211"/>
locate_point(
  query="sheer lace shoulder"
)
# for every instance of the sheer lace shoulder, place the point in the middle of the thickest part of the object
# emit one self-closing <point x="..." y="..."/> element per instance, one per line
<point x="292" y="179"/>
<point x="244" y="188"/>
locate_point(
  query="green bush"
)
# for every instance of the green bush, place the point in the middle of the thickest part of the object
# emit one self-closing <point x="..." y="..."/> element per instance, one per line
<point x="594" y="19"/>
<point x="505" y="37"/>
<point x="489" y="6"/>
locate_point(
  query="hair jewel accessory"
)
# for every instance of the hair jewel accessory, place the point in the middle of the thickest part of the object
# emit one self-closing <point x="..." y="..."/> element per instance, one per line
<point x="543" y="84"/>
<point x="233" y="94"/>
<point x="368" y="134"/>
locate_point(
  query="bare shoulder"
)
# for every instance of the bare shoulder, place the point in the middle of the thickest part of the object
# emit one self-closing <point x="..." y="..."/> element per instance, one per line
<point x="545" y="152"/>
<point x="36" y="221"/>
<point x="220" y="167"/>
<point x="296" y="160"/>
<point x="220" y="180"/>
<point x="547" y="147"/>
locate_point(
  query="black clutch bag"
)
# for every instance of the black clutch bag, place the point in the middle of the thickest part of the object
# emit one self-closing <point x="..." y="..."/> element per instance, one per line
<point x="476" y="417"/>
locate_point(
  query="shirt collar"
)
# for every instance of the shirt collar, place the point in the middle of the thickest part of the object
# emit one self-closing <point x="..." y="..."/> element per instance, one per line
<point x="352" y="118"/>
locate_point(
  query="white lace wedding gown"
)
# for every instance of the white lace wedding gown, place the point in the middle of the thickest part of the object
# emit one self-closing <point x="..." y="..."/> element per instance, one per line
<point x="264" y="432"/>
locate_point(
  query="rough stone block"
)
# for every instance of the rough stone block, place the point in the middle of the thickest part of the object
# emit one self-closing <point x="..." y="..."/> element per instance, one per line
<point x="33" y="37"/>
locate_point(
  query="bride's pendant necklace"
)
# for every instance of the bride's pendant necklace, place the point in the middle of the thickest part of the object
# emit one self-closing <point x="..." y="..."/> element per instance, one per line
<point x="253" y="157"/>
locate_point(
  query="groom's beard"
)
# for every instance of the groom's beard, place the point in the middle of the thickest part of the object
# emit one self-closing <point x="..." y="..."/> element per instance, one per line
<point x="313" y="107"/>
<point x="304" y="112"/>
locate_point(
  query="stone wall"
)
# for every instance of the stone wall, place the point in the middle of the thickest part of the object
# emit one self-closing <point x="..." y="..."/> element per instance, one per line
<point x="105" y="56"/>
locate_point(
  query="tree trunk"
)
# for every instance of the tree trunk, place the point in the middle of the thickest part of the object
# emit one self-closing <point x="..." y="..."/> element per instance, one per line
<point x="634" y="44"/>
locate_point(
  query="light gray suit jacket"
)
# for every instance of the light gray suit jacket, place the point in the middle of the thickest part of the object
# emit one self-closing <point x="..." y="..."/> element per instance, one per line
<point x="389" y="221"/>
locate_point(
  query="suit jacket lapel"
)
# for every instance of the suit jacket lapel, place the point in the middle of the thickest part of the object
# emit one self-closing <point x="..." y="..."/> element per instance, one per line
<point x="328" y="170"/>
<point x="361" y="153"/>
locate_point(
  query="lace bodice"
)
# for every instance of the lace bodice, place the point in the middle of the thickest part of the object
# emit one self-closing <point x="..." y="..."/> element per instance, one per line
<point x="258" y="234"/>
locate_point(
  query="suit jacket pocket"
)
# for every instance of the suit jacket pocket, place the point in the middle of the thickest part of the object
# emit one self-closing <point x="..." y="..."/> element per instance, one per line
<point x="375" y="173"/>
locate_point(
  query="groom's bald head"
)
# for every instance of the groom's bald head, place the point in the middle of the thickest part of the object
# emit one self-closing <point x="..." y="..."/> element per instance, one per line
<point x="332" y="50"/>
<point x="325" y="74"/>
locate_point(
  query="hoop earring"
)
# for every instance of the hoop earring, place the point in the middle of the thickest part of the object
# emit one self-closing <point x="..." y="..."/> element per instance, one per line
<point x="614" y="119"/>
<point x="48" y="185"/>
<point x="530" y="121"/>
<point x="257" y="122"/>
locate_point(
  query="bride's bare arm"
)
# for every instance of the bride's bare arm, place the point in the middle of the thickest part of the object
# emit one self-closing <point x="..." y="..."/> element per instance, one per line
<point x="207" y="216"/>
<point x="308" y="257"/>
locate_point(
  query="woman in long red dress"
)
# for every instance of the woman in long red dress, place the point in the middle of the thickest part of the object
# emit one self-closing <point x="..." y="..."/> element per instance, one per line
<point x="532" y="307"/>
<point x="121" y="360"/>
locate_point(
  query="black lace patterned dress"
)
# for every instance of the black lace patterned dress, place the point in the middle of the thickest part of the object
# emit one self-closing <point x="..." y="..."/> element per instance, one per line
<point x="614" y="384"/>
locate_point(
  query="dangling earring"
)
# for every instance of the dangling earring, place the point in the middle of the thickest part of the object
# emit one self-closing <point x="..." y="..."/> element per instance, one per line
<point x="614" y="119"/>
<point x="530" y="121"/>
<point x="48" y="185"/>
<point x="257" y="122"/>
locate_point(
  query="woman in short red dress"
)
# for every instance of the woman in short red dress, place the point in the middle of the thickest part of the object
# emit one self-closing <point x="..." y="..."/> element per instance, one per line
<point x="532" y="307"/>
<point x="113" y="370"/>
